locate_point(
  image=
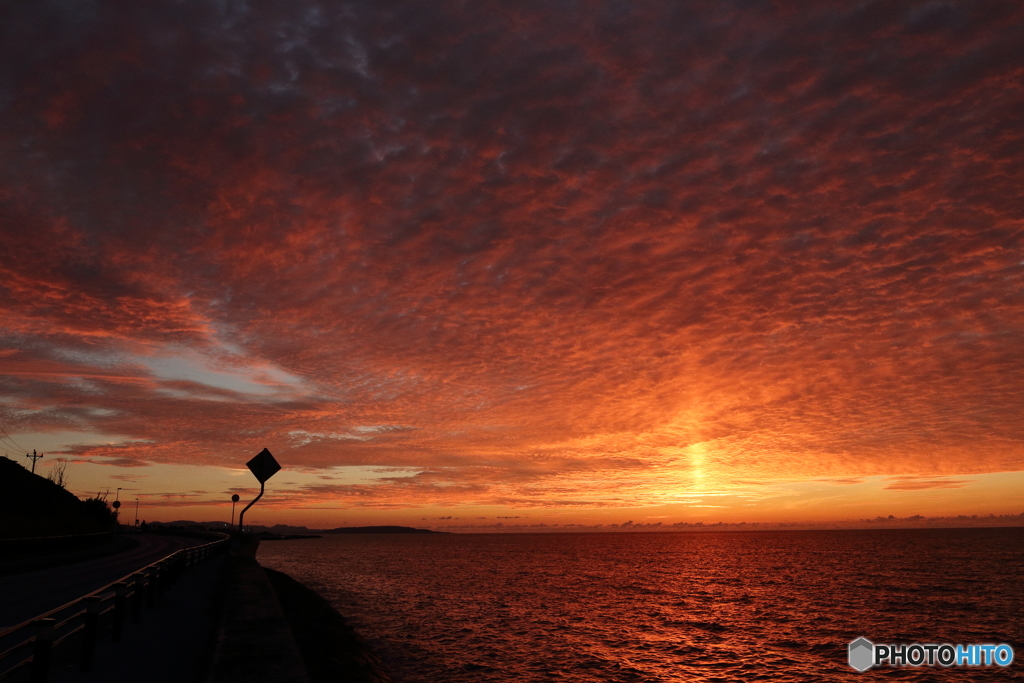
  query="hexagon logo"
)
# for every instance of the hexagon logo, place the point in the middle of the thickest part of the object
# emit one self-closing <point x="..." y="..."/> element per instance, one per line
<point x="862" y="654"/>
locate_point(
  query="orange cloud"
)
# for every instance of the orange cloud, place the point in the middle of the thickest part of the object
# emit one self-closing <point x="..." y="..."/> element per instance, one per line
<point x="543" y="256"/>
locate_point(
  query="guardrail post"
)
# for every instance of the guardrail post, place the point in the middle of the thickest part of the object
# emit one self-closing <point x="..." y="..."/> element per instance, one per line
<point x="93" y="605"/>
<point x="120" y="607"/>
<point x="137" y="586"/>
<point x="41" y="651"/>
<point x="152" y="575"/>
<point x="136" y="597"/>
<point x="163" y="578"/>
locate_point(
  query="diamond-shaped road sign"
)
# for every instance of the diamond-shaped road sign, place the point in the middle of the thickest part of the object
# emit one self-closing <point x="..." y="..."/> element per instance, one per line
<point x="263" y="466"/>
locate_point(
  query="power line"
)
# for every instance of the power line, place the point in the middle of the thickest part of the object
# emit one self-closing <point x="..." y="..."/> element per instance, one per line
<point x="7" y="445"/>
<point x="16" y="444"/>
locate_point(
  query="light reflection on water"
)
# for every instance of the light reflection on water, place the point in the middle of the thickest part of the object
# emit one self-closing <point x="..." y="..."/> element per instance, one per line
<point x="666" y="606"/>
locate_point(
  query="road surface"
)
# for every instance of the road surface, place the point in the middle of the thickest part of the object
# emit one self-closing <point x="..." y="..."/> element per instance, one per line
<point x="24" y="596"/>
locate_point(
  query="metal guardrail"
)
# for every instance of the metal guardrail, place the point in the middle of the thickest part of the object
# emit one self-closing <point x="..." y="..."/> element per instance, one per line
<point x="30" y="643"/>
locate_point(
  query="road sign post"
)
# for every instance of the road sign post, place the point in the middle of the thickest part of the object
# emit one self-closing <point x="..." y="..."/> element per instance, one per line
<point x="263" y="466"/>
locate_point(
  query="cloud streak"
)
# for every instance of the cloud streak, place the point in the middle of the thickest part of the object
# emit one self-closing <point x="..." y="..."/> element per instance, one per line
<point x="548" y="255"/>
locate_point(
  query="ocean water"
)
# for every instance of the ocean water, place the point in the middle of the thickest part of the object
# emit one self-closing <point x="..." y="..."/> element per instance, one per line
<point x="637" y="607"/>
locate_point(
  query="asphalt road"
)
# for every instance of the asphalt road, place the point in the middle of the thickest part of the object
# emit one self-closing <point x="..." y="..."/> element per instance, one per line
<point x="24" y="596"/>
<point x="173" y="643"/>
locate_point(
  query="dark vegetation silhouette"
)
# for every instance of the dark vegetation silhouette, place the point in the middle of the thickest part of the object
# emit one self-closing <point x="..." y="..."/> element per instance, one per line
<point x="32" y="505"/>
<point x="58" y="473"/>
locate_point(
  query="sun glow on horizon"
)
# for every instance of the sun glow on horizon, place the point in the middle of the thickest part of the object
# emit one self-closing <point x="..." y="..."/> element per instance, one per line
<point x="662" y="261"/>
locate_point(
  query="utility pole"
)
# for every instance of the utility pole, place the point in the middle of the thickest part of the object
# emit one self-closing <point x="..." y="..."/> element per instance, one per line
<point x="34" y="458"/>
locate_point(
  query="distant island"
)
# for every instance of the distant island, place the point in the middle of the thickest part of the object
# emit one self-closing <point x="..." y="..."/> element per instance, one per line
<point x="271" y="536"/>
<point x="284" y="531"/>
<point x="378" y="530"/>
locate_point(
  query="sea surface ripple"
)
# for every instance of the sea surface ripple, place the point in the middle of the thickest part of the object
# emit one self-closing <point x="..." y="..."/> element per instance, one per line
<point x="637" y="607"/>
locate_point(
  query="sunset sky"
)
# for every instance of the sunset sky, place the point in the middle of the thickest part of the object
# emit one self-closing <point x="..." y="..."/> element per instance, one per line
<point x="529" y="262"/>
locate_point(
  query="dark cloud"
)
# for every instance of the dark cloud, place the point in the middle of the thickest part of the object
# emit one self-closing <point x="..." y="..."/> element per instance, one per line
<point x="573" y="247"/>
<point x="119" y="462"/>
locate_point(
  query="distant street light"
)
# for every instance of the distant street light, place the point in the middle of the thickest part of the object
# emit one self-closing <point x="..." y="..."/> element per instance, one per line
<point x="136" y="512"/>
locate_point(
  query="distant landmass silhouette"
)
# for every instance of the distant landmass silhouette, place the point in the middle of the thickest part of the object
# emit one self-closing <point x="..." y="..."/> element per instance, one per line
<point x="377" y="530"/>
<point x="285" y="529"/>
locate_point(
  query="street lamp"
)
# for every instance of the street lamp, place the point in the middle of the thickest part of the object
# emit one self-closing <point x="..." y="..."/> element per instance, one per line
<point x="234" y="499"/>
<point x="136" y="512"/>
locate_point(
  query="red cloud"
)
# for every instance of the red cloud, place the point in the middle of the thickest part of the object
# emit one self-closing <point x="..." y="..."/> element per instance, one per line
<point x="535" y="254"/>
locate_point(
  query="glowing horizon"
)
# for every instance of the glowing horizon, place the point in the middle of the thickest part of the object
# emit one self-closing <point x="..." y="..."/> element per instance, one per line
<point x="573" y="263"/>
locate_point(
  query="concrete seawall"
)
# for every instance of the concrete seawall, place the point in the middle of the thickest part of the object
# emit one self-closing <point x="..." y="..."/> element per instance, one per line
<point x="254" y="642"/>
<point x="273" y="629"/>
<point x="331" y="649"/>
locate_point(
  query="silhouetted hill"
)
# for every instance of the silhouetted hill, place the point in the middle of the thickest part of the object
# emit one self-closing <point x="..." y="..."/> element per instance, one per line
<point x="31" y="505"/>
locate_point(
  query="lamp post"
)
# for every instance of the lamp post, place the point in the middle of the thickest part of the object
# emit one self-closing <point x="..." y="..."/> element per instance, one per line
<point x="136" y="512"/>
<point x="234" y="499"/>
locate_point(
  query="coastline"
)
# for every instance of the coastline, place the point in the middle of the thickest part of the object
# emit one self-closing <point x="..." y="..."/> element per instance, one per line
<point x="273" y="628"/>
<point x="331" y="649"/>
